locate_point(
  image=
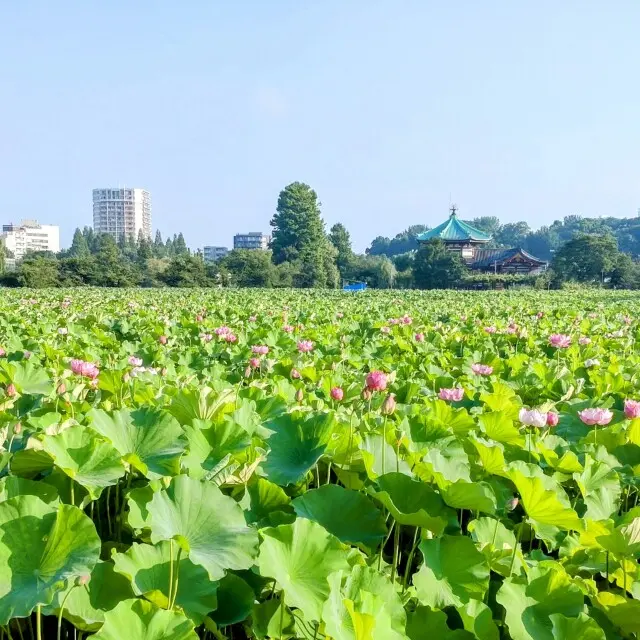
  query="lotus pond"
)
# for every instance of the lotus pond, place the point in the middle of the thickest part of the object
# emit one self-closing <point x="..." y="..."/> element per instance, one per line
<point x="284" y="464"/>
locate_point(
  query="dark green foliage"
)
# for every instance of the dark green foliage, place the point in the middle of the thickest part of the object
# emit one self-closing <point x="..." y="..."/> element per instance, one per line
<point x="403" y="242"/>
<point x="250" y="268"/>
<point x="435" y="267"/>
<point x="586" y="258"/>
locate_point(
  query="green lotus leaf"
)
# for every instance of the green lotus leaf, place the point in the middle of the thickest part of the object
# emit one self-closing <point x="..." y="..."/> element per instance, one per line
<point x="266" y="499"/>
<point x="475" y="496"/>
<point x="138" y="500"/>
<point x="380" y="457"/>
<point x="600" y="489"/>
<point x="148" y="568"/>
<point x="543" y="499"/>
<point x="30" y="463"/>
<point x="449" y="462"/>
<point x="347" y="514"/>
<point x="150" y="440"/>
<point x="142" y="620"/>
<point x="497" y="543"/>
<point x="235" y="600"/>
<point x="300" y="557"/>
<point x="623" y="613"/>
<point x="85" y="606"/>
<point x="31" y="379"/>
<point x="371" y="594"/>
<point x="266" y="618"/>
<point x="412" y="502"/>
<point x="528" y="605"/>
<point x="13" y="486"/>
<point x="583" y="628"/>
<point x="498" y="426"/>
<point x="439" y="419"/>
<point x="40" y="547"/>
<point x="477" y="618"/>
<point x="427" y="624"/>
<point x="85" y="458"/>
<point x="453" y="573"/>
<point x="297" y="444"/>
<point x="202" y="403"/>
<point x="491" y="456"/>
<point x="209" y="526"/>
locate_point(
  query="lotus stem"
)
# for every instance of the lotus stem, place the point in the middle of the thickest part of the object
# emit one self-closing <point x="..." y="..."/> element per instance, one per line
<point x="515" y="548"/>
<point x="329" y="473"/>
<point x="393" y="524"/>
<point x="73" y="493"/>
<point x="396" y="551"/>
<point x="624" y="579"/>
<point x="9" y="632"/>
<point x="170" y="573"/>
<point x="20" y="629"/>
<point x="39" y="622"/>
<point x="384" y="446"/>
<point x="414" y="546"/>
<point x="108" y="512"/>
<point x="281" y="612"/>
<point x="176" y="573"/>
<point x="64" y="601"/>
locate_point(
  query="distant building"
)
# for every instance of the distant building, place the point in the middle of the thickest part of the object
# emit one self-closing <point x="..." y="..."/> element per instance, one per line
<point x="251" y="240"/>
<point x="471" y="243"/>
<point x="29" y="235"/>
<point x="122" y="212"/>
<point x="213" y="254"/>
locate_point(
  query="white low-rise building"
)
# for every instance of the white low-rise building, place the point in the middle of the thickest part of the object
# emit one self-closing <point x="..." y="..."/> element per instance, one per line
<point x="29" y="235"/>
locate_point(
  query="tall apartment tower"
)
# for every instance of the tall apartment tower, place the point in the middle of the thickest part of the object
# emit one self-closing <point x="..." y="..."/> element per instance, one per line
<point x="122" y="212"/>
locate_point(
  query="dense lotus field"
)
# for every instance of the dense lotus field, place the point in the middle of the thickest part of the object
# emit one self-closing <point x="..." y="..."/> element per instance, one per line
<point x="275" y="464"/>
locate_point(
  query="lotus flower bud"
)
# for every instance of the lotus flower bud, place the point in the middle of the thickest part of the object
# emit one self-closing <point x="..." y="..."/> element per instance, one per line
<point x="126" y="377"/>
<point x="62" y="389"/>
<point x="366" y="394"/>
<point x="389" y="405"/>
<point x="11" y="390"/>
<point x="511" y="504"/>
<point x="163" y="371"/>
<point x="247" y="372"/>
<point x="337" y="393"/>
<point x="163" y="340"/>
<point x="17" y="428"/>
<point x="299" y="395"/>
<point x="81" y="581"/>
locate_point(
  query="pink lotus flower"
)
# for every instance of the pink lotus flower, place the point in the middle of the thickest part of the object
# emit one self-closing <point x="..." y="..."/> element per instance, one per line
<point x="260" y="349"/>
<point x="532" y="418"/>
<point x="632" y="409"/>
<point x="339" y="315"/>
<point x="419" y="337"/>
<point x="85" y="369"/>
<point x="511" y="329"/>
<point x="199" y="318"/>
<point x="163" y="339"/>
<point x="305" y="346"/>
<point x="385" y="330"/>
<point x="376" y="381"/>
<point x="295" y="374"/>
<point x="490" y="329"/>
<point x="254" y="362"/>
<point x="595" y="416"/>
<point x="26" y="354"/>
<point x="11" y="390"/>
<point x="451" y="395"/>
<point x="135" y="362"/>
<point x="3" y="353"/>
<point x="406" y="319"/>
<point x="230" y="337"/>
<point x="584" y="340"/>
<point x="252" y="318"/>
<point x="481" y="369"/>
<point x="222" y="331"/>
<point x="337" y="394"/>
<point x="206" y="337"/>
<point x="540" y="315"/>
<point x="287" y="328"/>
<point x="394" y="321"/>
<point x="552" y="419"/>
<point x="559" y="340"/>
<point x="389" y="405"/>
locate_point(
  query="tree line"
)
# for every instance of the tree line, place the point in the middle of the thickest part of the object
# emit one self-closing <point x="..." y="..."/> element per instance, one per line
<point x="304" y="254"/>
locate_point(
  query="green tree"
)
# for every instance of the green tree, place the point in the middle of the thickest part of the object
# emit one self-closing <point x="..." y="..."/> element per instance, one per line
<point x="39" y="271"/>
<point x="299" y="237"/>
<point x="144" y="250"/>
<point x="249" y="268"/>
<point x="512" y="234"/>
<point x="341" y="240"/>
<point x="159" y="249"/>
<point x="625" y="273"/>
<point x="169" y="250"/>
<point x="114" y="270"/>
<point x="435" y="267"/>
<point x="79" y="246"/>
<point x="186" y="271"/>
<point x="488" y="224"/>
<point x="2" y="257"/>
<point x="179" y="245"/>
<point x="586" y="258"/>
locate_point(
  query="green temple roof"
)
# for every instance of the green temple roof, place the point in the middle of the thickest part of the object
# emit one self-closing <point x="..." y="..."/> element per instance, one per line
<point x="455" y="230"/>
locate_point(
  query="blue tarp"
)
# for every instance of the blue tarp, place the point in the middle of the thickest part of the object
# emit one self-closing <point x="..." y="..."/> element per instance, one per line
<point x="355" y="286"/>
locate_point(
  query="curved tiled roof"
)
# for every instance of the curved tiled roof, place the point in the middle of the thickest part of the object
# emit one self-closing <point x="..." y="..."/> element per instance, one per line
<point x="485" y="258"/>
<point x="455" y="230"/>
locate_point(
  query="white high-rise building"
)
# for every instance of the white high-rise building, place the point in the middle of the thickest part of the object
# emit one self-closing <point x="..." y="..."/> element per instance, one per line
<point x="29" y="235"/>
<point x="122" y="212"/>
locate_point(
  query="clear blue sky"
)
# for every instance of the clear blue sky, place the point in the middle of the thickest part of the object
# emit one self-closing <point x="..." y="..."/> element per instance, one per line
<point x="524" y="110"/>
